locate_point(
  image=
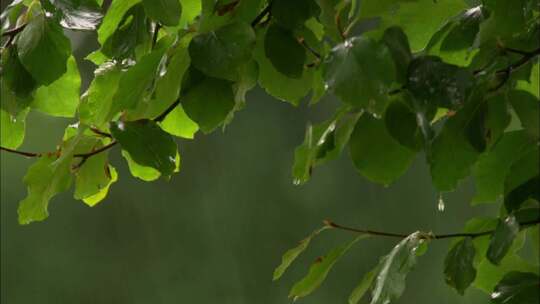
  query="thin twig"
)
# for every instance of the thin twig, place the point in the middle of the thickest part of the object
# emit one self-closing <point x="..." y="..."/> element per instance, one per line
<point x="261" y="15"/>
<point x="437" y="236"/>
<point x="162" y="116"/>
<point x="156" y="34"/>
<point x="99" y="132"/>
<point x="309" y="48"/>
<point x="23" y="153"/>
<point x="14" y="31"/>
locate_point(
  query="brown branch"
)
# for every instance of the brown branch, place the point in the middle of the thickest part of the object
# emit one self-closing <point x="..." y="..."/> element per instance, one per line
<point x="339" y="26"/>
<point x="87" y="155"/>
<point x="100" y="133"/>
<point x="14" y="31"/>
<point x="23" y="153"/>
<point x="436" y="236"/>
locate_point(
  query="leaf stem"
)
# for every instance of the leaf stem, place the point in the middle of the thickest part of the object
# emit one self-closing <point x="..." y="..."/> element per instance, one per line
<point x="435" y="236"/>
<point x="309" y="48"/>
<point x="261" y="15"/>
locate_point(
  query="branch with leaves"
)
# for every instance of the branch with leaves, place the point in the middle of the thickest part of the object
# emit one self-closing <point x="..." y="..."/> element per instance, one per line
<point x="454" y="82"/>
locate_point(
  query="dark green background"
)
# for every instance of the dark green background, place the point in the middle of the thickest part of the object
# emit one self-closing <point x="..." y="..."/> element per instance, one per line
<point x="215" y="232"/>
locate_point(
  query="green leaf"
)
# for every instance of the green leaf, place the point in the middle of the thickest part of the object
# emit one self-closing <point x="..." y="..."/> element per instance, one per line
<point x="219" y="53"/>
<point x="96" y="102"/>
<point x="168" y="86"/>
<point x="319" y="270"/>
<point x="79" y="14"/>
<point x="167" y="12"/>
<point x="60" y="98"/>
<point x="360" y="290"/>
<point x="190" y="10"/>
<point x="517" y="288"/>
<point x="454" y="41"/>
<point x="113" y="18"/>
<point x="458" y="265"/>
<point x="15" y="79"/>
<point x="290" y="255"/>
<point x="520" y="180"/>
<point x="322" y="142"/>
<point x="497" y="119"/>
<point x="98" y="197"/>
<point x="398" y="44"/>
<point x="179" y="124"/>
<point x="293" y="14"/>
<point x="502" y="238"/>
<point x="527" y="215"/>
<point x="144" y="173"/>
<point x="406" y="15"/>
<point x="132" y="38"/>
<point x="43" y="49"/>
<point x="44" y="179"/>
<point x="93" y="176"/>
<point x="527" y="107"/>
<point x="360" y="72"/>
<point x="278" y="84"/>
<point x="393" y="270"/>
<point x="376" y="155"/>
<point x="531" y="85"/>
<point x="284" y="51"/>
<point x="492" y="167"/>
<point x="136" y="82"/>
<point x="519" y="195"/>
<point x="209" y="102"/>
<point x="489" y="275"/>
<point x="505" y="20"/>
<point x="451" y="154"/>
<point x="437" y="83"/>
<point x="401" y="123"/>
<point x="12" y="129"/>
<point x="147" y="144"/>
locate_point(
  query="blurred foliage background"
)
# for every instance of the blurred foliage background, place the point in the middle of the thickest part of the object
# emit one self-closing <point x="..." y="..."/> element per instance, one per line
<point x="216" y="230"/>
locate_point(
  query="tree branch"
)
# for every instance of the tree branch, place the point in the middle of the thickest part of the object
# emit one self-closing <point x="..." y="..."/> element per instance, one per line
<point x="261" y="15"/>
<point x="23" y="153"/>
<point x="14" y="31"/>
<point x="436" y="236"/>
<point x="87" y="155"/>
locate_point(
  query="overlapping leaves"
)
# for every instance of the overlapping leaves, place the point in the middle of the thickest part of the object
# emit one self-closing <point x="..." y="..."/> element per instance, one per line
<point x="453" y="81"/>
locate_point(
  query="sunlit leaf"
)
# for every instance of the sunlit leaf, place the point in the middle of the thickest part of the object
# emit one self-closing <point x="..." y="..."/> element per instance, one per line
<point x="290" y="255"/>
<point x="319" y="270"/>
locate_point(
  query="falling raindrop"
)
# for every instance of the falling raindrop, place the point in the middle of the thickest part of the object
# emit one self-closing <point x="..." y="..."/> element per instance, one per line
<point x="440" y="205"/>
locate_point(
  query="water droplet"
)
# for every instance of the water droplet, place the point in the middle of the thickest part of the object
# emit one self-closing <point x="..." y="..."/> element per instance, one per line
<point x="440" y="205"/>
<point x="297" y="182"/>
<point x="13" y="118"/>
<point x="347" y="44"/>
<point x="326" y="86"/>
<point x="121" y="125"/>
